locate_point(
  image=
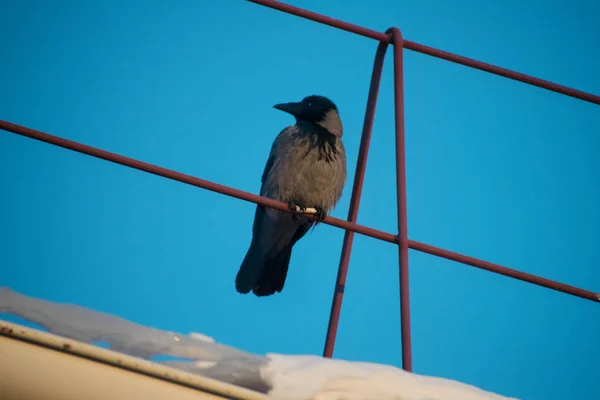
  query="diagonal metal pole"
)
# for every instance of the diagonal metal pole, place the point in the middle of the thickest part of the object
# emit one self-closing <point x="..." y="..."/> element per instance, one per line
<point x="359" y="175"/>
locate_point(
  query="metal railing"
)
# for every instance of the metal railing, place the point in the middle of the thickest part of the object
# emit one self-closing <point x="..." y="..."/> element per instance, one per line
<point x="393" y="37"/>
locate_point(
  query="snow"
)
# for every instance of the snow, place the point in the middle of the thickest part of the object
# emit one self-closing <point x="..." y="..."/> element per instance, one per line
<point x="281" y="377"/>
<point x="312" y="377"/>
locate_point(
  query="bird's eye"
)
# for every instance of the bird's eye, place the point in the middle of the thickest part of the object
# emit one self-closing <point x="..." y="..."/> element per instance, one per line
<point x="309" y="104"/>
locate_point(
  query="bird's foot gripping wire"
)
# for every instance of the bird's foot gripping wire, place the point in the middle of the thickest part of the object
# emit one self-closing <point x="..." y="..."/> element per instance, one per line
<point x="320" y="214"/>
<point x="297" y="208"/>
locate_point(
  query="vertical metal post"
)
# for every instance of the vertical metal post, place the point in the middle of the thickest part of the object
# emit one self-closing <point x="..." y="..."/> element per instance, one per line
<point x="401" y="196"/>
<point x="359" y="175"/>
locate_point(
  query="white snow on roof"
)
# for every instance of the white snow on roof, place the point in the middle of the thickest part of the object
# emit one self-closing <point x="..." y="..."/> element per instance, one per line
<point x="313" y="377"/>
<point x="282" y="377"/>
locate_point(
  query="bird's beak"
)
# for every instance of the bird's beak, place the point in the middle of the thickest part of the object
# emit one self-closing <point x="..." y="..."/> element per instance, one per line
<point x="291" y="108"/>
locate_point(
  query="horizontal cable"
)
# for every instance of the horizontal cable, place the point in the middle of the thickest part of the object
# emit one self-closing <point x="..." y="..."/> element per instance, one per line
<point x="178" y="176"/>
<point x="499" y="269"/>
<point x="313" y="16"/>
<point x="359" y="30"/>
<point x="507" y="73"/>
<point x="215" y="187"/>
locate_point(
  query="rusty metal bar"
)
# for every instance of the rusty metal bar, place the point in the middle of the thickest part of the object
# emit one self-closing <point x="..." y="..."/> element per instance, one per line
<point x="401" y="197"/>
<point x="499" y="269"/>
<point x="336" y="23"/>
<point x="507" y="73"/>
<point x="363" y="230"/>
<point x="469" y="62"/>
<point x="177" y="176"/>
<point x="359" y="175"/>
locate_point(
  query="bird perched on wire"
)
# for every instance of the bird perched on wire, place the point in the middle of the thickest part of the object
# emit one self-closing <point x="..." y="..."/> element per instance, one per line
<point x="306" y="168"/>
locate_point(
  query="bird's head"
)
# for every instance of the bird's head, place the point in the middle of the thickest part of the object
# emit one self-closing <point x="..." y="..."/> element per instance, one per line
<point x="317" y="110"/>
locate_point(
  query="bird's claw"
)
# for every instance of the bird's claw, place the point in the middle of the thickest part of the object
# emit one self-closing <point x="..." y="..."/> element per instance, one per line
<point x="320" y="214"/>
<point x="299" y="208"/>
<point x="296" y="208"/>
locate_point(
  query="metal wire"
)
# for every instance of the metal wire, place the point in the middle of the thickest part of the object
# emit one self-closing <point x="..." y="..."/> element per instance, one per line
<point x="392" y="36"/>
<point x="469" y="62"/>
<point x="349" y="226"/>
<point x="178" y="176"/>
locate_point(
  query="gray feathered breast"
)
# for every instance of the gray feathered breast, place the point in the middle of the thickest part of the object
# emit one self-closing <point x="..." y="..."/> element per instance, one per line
<point x="306" y="165"/>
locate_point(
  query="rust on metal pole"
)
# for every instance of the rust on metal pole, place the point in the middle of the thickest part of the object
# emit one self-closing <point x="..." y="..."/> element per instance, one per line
<point x="359" y="175"/>
<point x="359" y="30"/>
<point x="178" y="176"/>
<point x="401" y="197"/>
<point x="499" y="269"/>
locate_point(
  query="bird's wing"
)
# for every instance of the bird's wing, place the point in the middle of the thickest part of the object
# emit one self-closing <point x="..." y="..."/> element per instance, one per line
<point x="282" y="140"/>
<point x="260" y="209"/>
<point x="297" y="227"/>
<point x="300" y="225"/>
<point x="274" y="233"/>
<point x="267" y="170"/>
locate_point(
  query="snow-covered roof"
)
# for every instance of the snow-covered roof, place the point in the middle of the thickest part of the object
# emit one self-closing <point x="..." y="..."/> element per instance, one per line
<point x="214" y="367"/>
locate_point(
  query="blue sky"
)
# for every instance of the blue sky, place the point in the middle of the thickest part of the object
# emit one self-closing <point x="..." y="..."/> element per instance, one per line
<point x="495" y="169"/>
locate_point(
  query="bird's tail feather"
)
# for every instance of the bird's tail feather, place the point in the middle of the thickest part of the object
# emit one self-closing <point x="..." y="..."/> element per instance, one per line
<point x="261" y="273"/>
<point x="273" y="275"/>
<point x="250" y="270"/>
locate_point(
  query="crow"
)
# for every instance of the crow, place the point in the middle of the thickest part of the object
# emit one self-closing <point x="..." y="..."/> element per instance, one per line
<point x="306" y="168"/>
